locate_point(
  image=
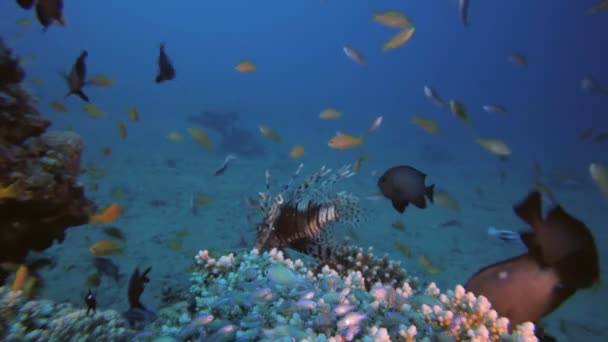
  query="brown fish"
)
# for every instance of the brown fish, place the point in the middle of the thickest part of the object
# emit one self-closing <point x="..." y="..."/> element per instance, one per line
<point x="403" y="185"/>
<point x="77" y="77"/>
<point x="25" y="4"/>
<point x="166" y="71"/>
<point x="48" y="11"/>
<point x="561" y="258"/>
<point x="520" y="288"/>
<point x="560" y="241"/>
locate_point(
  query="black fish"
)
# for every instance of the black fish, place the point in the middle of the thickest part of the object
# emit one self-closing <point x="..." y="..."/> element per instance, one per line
<point x="108" y="268"/>
<point x="561" y="258"/>
<point x="25" y="4"/>
<point x="166" y="72"/>
<point x="77" y="77"/>
<point x="91" y="302"/>
<point x="136" y="287"/>
<point x="48" y="11"/>
<point x="403" y="185"/>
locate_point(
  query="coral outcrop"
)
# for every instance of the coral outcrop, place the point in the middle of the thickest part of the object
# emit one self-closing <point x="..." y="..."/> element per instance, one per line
<point x="40" y="196"/>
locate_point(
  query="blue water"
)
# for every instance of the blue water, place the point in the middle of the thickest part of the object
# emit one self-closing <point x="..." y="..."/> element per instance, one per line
<point x="301" y="70"/>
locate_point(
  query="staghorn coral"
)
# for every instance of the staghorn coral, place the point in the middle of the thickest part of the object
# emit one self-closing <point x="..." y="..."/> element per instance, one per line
<point x="48" y="321"/>
<point x="42" y="169"/>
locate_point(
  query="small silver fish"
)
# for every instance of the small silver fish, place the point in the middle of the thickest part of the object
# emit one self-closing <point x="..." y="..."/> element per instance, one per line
<point x="343" y="309"/>
<point x="353" y="55"/>
<point x="375" y="124"/>
<point x="433" y="96"/>
<point x="350" y="320"/>
<point x="504" y="235"/>
<point x="307" y="304"/>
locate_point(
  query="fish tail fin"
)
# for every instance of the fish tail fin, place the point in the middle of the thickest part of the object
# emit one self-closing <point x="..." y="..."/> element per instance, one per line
<point x="492" y="231"/>
<point x="530" y="209"/>
<point x="429" y="191"/>
<point x="80" y="94"/>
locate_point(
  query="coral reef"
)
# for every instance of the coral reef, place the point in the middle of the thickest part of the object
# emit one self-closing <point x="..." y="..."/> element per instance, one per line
<point x="44" y="320"/>
<point x="234" y="138"/>
<point x="38" y="173"/>
<point x="252" y="296"/>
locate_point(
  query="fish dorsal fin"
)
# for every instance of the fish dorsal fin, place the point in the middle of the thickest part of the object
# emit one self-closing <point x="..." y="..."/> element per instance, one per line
<point x="530" y="209"/>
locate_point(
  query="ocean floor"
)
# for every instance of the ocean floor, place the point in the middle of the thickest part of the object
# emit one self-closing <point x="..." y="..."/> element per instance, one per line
<point x="157" y="194"/>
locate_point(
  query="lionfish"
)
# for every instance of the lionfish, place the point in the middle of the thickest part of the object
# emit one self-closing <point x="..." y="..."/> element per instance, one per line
<point x="300" y="215"/>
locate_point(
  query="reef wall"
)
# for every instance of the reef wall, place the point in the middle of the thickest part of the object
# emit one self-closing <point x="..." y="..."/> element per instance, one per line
<point x="39" y="194"/>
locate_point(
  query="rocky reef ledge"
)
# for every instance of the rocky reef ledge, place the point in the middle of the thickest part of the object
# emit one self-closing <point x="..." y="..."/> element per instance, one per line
<point x="39" y="194"/>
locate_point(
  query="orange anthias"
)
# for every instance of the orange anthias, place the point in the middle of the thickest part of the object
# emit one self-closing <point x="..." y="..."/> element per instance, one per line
<point x="20" y="278"/>
<point x="108" y="215"/>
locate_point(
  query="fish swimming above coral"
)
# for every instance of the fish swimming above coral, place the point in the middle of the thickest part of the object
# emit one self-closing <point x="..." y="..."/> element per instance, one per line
<point x="561" y="258"/>
<point x="305" y="210"/>
<point x="404" y="185"/>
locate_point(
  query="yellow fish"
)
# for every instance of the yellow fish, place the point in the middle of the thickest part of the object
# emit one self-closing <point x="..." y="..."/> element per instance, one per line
<point x="58" y="106"/>
<point x="101" y="81"/>
<point x="330" y="114"/>
<point x="93" y="111"/>
<point x="392" y="19"/>
<point x="297" y="151"/>
<point x="200" y="137"/>
<point x="426" y="264"/>
<point x="9" y="192"/>
<point x="105" y="247"/>
<point x="343" y="141"/>
<point x="133" y="114"/>
<point x="174" y="136"/>
<point x="457" y="108"/>
<point x="245" y="67"/>
<point x="427" y="124"/>
<point x="270" y="133"/>
<point x="400" y="38"/>
<point x="599" y="173"/>
<point x="495" y="146"/>
<point x="122" y="130"/>
<point x="444" y="199"/>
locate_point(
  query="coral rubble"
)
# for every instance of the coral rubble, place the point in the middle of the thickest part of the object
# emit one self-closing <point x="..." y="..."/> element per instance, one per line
<point x="38" y="172"/>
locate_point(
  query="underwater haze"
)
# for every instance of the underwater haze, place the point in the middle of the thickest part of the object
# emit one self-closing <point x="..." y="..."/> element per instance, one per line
<point x="276" y="84"/>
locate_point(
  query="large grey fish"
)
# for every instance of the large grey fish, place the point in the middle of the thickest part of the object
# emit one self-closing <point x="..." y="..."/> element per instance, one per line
<point x="561" y="258"/>
<point x="403" y="185"/>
